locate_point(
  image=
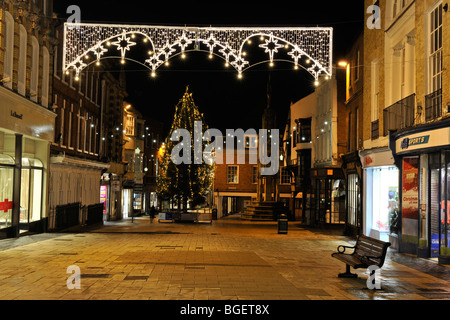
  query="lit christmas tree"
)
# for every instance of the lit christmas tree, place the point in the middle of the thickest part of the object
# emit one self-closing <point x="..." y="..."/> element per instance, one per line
<point x="184" y="182"/>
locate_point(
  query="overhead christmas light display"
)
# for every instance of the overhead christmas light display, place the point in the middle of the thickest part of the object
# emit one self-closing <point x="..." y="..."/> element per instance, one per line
<point x="310" y="48"/>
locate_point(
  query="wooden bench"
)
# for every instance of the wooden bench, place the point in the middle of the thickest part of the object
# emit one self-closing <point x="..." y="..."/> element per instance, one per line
<point x="366" y="252"/>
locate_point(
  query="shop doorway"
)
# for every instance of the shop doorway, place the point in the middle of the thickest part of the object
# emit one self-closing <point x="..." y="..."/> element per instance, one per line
<point x="30" y="193"/>
<point x="434" y="220"/>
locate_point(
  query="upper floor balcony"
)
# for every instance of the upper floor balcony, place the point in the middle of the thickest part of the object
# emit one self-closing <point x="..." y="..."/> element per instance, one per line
<point x="400" y="115"/>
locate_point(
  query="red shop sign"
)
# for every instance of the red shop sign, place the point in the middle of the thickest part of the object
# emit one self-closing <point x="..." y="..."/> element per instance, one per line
<point x="6" y="205"/>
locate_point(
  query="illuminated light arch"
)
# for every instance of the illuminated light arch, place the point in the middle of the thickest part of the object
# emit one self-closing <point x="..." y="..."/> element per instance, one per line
<point x="310" y="48"/>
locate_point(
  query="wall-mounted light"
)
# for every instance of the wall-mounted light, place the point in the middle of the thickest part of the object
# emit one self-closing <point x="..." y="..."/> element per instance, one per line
<point x="343" y="64"/>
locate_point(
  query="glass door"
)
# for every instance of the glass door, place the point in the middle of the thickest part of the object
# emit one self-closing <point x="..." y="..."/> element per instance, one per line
<point x="30" y="192"/>
<point x="445" y="205"/>
<point x="434" y="190"/>
<point x="424" y="212"/>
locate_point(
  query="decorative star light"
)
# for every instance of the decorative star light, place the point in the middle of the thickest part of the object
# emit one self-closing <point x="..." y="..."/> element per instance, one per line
<point x="239" y="64"/>
<point x="123" y="44"/>
<point x="271" y="46"/>
<point x="184" y="42"/>
<point x="227" y="51"/>
<point x="99" y="51"/>
<point x="314" y="44"/>
<point x="211" y="42"/>
<point x="296" y="54"/>
<point x="167" y="50"/>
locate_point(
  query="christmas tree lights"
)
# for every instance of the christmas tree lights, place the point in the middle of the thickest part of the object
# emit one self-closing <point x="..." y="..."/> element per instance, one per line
<point x="186" y="182"/>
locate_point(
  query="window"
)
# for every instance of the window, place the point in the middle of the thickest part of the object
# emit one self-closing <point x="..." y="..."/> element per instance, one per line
<point x="34" y="69"/>
<point x="254" y="174"/>
<point x="303" y="132"/>
<point x="251" y="142"/>
<point x="45" y="76"/>
<point x="232" y="174"/>
<point x="353" y="199"/>
<point x="130" y="125"/>
<point x="375" y="91"/>
<point x="358" y="58"/>
<point x="9" y="49"/>
<point x="375" y="97"/>
<point x="397" y="7"/>
<point x="285" y="176"/>
<point x="349" y="138"/>
<point x="356" y="128"/>
<point x="435" y="52"/>
<point x="21" y="86"/>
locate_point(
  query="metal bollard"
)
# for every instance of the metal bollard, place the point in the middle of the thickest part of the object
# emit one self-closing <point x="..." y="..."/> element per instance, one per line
<point x="283" y="224"/>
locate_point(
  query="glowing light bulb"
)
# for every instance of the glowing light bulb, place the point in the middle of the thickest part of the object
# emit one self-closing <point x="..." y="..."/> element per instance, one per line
<point x="122" y="61"/>
<point x="296" y="67"/>
<point x="183" y="56"/>
<point x="153" y="74"/>
<point x="227" y="64"/>
<point x="166" y="63"/>
<point x="210" y="56"/>
<point x="239" y="75"/>
<point x="97" y="63"/>
<point x="316" y="83"/>
<point x="271" y="63"/>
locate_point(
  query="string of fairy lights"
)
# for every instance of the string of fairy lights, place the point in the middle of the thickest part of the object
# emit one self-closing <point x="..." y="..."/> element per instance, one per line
<point x="308" y="48"/>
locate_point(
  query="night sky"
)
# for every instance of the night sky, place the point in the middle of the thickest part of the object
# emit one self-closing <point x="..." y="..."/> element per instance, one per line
<point x="227" y="102"/>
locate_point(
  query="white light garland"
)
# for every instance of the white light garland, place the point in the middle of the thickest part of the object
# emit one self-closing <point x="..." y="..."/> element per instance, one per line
<point x="311" y="48"/>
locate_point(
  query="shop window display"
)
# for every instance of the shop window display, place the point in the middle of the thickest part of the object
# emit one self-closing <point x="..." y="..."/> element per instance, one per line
<point x="386" y="204"/>
<point x="6" y="190"/>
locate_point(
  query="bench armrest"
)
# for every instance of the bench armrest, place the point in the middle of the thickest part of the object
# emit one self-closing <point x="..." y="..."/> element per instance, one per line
<point x="344" y="247"/>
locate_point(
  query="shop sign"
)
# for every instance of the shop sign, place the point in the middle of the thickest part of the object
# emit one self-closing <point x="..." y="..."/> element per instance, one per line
<point x="6" y="205"/>
<point x="115" y="185"/>
<point x="408" y="142"/>
<point x="429" y="139"/>
<point x="103" y="196"/>
<point x="16" y="115"/>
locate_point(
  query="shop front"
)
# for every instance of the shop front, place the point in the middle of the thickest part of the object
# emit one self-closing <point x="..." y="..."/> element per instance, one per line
<point x="381" y="195"/>
<point x="351" y="166"/>
<point x="327" y="197"/>
<point x="26" y="131"/>
<point x="423" y="156"/>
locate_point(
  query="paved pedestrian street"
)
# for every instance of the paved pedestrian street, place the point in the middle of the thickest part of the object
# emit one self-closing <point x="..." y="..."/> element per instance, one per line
<point x="227" y="260"/>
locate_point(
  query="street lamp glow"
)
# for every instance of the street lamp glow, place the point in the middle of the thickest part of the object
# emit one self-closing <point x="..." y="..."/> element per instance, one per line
<point x="343" y="64"/>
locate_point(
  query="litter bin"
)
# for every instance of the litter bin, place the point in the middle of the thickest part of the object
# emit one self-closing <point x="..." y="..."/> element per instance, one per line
<point x="283" y="224"/>
<point x="214" y="214"/>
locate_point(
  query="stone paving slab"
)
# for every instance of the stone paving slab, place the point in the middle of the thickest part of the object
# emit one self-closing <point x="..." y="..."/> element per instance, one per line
<point x="226" y="260"/>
